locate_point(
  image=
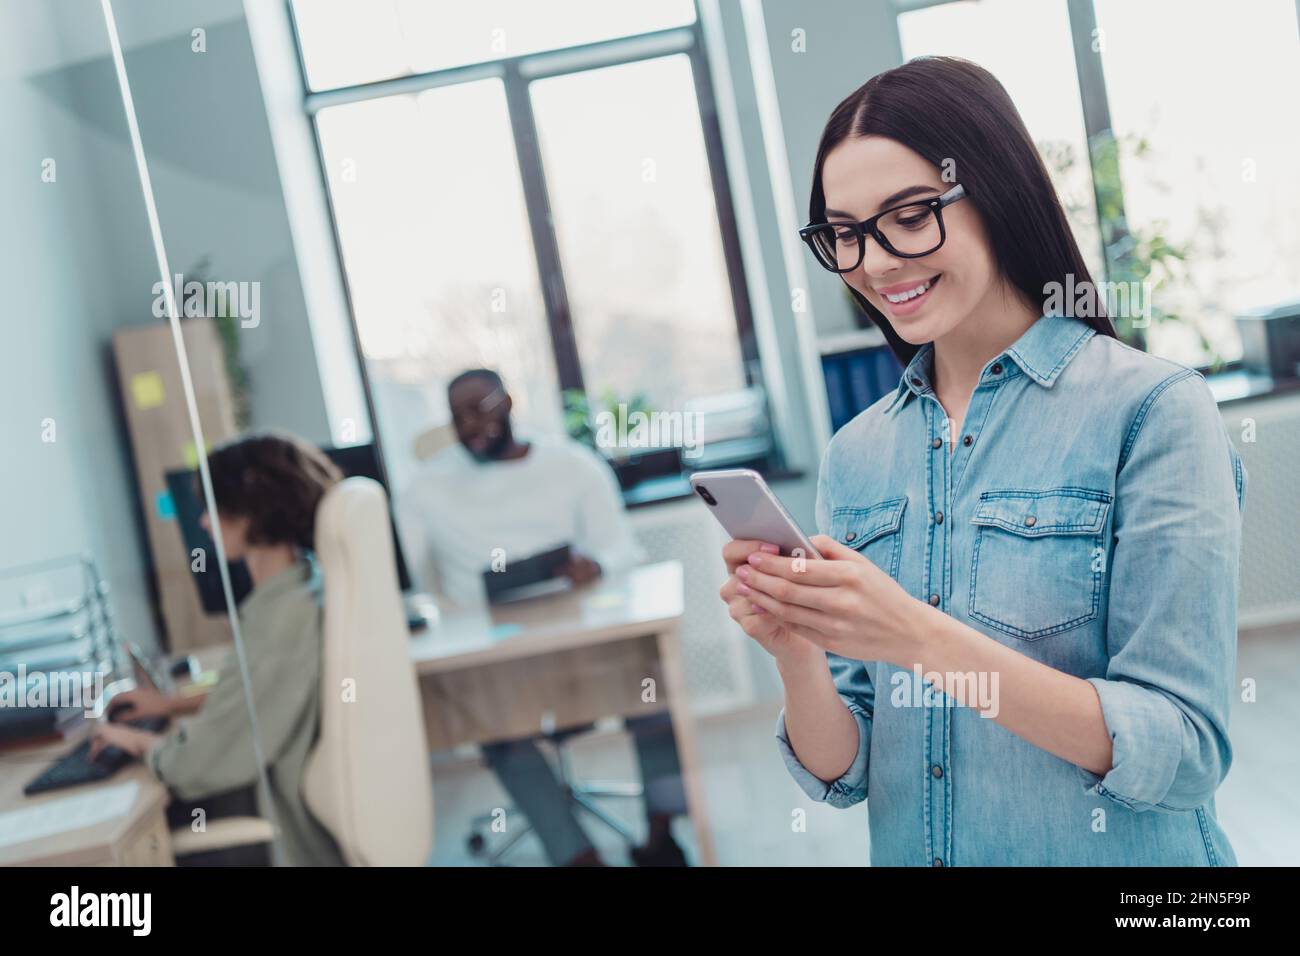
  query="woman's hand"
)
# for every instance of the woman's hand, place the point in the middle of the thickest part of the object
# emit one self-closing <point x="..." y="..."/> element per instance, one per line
<point x="140" y="703"/>
<point x="844" y="604"/>
<point x="135" y="742"/>
<point x="785" y="641"/>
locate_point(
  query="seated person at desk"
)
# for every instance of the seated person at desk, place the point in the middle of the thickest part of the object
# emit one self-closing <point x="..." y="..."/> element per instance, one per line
<point x="267" y="488"/>
<point x="494" y="492"/>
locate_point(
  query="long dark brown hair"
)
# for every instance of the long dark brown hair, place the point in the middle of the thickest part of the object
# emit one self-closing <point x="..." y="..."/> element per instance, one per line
<point x="276" y="481"/>
<point x="948" y="110"/>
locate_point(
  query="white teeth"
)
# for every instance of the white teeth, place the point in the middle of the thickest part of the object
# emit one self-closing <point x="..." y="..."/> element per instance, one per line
<point x="911" y="293"/>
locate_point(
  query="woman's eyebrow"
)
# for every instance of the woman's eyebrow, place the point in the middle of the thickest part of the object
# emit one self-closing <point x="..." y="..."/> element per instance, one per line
<point x="889" y="200"/>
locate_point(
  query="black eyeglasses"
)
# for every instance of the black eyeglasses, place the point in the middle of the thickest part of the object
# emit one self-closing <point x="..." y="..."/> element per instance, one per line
<point x="909" y="231"/>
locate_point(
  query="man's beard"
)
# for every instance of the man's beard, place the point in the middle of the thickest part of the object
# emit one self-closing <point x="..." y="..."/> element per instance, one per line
<point x="494" y="448"/>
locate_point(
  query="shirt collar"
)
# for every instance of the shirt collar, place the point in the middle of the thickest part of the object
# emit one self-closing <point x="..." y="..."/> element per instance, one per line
<point x="1042" y="353"/>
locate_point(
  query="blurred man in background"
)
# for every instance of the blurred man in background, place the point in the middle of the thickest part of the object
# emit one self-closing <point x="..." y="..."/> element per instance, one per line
<point x="492" y="494"/>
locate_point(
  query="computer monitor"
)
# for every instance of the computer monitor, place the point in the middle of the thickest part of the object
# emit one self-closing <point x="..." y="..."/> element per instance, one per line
<point x="187" y="503"/>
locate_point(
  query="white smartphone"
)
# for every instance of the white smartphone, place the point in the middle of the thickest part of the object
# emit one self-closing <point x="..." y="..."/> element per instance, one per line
<point x="745" y="506"/>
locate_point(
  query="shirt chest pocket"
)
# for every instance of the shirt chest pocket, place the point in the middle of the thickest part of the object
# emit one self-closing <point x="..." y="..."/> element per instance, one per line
<point x="1038" y="562"/>
<point x="875" y="531"/>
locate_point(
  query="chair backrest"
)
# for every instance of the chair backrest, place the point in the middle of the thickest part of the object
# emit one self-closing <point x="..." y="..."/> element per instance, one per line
<point x="368" y="779"/>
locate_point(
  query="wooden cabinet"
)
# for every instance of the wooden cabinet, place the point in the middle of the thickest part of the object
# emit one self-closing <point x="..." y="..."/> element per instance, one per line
<point x="153" y="397"/>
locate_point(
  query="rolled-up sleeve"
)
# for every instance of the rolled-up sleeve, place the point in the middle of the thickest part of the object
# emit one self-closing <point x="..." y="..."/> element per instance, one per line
<point x="1172" y="625"/>
<point x="853" y="682"/>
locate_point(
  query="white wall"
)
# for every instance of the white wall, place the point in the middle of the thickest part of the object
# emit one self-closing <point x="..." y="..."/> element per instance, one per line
<point x="844" y="44"/>
<point x="77" y="262"/>
<point x="63" y="297"/>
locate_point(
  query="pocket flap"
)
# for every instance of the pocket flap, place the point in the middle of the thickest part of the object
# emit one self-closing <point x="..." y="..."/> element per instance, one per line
<point x="1033" y="513"/>
<point x="857" y="527"/>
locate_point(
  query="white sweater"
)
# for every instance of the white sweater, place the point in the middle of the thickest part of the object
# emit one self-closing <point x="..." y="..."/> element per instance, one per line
<point x="456" y="512"/>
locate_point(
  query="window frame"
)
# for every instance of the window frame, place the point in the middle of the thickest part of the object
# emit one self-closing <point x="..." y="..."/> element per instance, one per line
<point x="1095" y="100"/>
<point x="516" y="73"/>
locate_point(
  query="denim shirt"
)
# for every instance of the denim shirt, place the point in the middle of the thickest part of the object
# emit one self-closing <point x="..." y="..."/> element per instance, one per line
<point x="1088" y="516"/>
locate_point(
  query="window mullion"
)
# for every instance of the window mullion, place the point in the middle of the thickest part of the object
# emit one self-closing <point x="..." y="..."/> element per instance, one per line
<point x="721" y="183"/>
<point x="559" y="319"/>
<point x="1103" y="158"/>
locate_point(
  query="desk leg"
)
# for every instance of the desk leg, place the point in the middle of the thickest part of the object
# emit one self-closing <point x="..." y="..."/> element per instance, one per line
<point x="148" y="844"/>
<point x="684" y="734"/>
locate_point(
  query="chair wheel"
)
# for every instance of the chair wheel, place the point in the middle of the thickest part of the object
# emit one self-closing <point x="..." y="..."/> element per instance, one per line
<point x="476" y="844"/>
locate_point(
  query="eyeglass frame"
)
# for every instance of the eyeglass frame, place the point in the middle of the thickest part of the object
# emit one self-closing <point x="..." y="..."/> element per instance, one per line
<point x="868" y="227"/>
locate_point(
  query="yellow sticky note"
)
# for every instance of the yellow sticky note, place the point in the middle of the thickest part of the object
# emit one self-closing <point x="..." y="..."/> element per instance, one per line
<point x="147" y="390"/>
<point x="192" y="455"/>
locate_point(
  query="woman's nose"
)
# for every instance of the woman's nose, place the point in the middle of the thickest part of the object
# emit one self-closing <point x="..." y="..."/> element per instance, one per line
<point x="876" y="262"/>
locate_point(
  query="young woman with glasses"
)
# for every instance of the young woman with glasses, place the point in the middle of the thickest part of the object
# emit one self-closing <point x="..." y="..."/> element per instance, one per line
<point x="1020" y="648"/>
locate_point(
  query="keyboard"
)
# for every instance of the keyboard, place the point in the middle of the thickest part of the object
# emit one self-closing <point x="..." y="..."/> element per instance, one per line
<point x="76" y="767"/>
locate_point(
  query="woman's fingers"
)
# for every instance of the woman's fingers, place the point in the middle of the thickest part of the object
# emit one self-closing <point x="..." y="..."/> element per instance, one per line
<point x="802" y="570"/>
<point x="739" y="607"/>
<point x="792" y="613"/>
<point x="828" y="547"/>
<point x="736" y="552"/>
<point x="817" y="597"/>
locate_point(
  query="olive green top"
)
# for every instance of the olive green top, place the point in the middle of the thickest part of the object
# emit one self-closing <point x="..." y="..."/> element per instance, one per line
<point x="212" y="753"/>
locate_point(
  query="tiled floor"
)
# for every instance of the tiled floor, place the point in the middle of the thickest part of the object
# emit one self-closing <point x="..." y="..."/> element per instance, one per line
<point x="752" y="802"/>
<point x="1259" y="802"/>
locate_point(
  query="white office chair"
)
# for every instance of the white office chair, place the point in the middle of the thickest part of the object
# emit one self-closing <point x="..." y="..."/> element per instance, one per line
<point x="368" y="780"/>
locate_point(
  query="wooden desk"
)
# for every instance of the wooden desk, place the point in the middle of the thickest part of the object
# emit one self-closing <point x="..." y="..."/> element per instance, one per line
<point x="137" y="838"/>
<point x="513" y="670"/>
<point x="140" y="837"/>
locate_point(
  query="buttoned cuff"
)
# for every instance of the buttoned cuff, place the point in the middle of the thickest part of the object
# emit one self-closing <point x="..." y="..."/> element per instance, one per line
<point x="851" y="787"/>
<point x="1146" y="745"/>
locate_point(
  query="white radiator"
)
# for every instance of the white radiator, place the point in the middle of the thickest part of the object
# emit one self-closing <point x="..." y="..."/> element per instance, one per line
<point x="718" y="674"/>
<point x="1270" y="550"/>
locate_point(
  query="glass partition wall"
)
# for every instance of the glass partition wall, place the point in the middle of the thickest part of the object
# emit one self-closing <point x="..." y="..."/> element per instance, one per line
<point x="128" y="729"/>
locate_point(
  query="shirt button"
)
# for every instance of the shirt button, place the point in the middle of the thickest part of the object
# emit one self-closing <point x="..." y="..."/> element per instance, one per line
<point x="997" y="368"/>
<point x="936" y="771"/>
<point x="916" y="381"/>
<point x="936" y="442"/>
<point x="1031" y="521"/>
<point x="937" y="862"/>
<point x="967" y="440"/>
<point x="850" y="536"/>
<point x="934" y="600"/>
<point x="938" y="517"/>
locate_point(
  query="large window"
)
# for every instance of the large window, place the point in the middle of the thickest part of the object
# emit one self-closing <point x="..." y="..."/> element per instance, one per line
<point x="1041" y="78"/>
<point x="638" y="235"/>
<point x="1167" y="128"/>
<point x="536" y="194"/>
<point x="1206" y="91"/>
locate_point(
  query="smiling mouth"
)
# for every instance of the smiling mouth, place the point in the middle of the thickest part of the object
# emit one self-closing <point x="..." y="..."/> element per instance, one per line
<point x="916" y="292"/>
